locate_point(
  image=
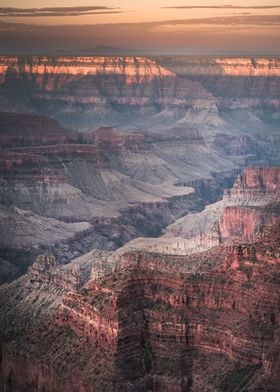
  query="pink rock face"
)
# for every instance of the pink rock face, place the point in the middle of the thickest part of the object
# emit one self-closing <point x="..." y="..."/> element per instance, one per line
<point x="225" y="66"/>
<point x="261" y="179"/>
<point x="267" y="179"/>
<point x="244" y="223"/>
<point x="251" y="205"/>
<point x="132" y="81"/>
<point x="131" y="67"/>
<point x="155" y="321"/>
<point x="256" y="186"/>
<point x="246" y="209"/>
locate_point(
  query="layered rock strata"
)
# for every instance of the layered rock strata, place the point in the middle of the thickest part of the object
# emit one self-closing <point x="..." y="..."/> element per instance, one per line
<point x="95" y="190"/>
<point x="246" y="209"/>
<point x="152" y="323"/>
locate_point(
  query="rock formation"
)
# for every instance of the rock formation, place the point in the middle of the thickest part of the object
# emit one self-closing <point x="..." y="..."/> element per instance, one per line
<point x="24" y="130"/>
<point x="151" y="324"/>
<point x="246" y="209"/>
<point x="98" y="189"/>
<point x="232" y="102"/>
<point x="230" y="74"/>
<point x="116" y="272"/>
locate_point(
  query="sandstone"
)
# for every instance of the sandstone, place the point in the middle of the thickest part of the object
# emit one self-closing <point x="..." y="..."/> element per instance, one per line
<point x="154" y="312"/>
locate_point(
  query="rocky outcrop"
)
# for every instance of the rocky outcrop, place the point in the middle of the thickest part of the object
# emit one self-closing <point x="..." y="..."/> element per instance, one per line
<point x="12" y="161"/>
<point x="152" y="322"/>
<point x="256" y="186"/>
<point x="132" y="68"/>
<point x="225" y="66"/>
<point x="22" y="130"/>
<point x="227" y="76"/>
<point x="118" y="84"/>
<point x="231" y="102"/>
<point x="116" y="140"/>
<point x="245" y="210"/>
<point x="99" y="191"/>
<point x="245" y="223"/>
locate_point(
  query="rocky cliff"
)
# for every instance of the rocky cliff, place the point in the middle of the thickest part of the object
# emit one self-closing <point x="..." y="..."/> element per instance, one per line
<point x="247" y="94"/>
<point x="22" y="130"/>
<point x="151" y="324"/>
<point x="245" y="210"/>
<point x="94" y="89"/>
<point x="138" y="320"/>
<point x="156" y="143"/>
<point x="132" y="68"/>
<point x="257" y="185"/>
<point x="233" y="103"/>
<point x="231" y="74"/>
<point x="98" y="189"/>
<point x="228" y="66"/>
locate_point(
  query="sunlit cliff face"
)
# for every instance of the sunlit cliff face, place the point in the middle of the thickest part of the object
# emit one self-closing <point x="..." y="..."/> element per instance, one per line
<point x="134" y="69"/>
<point x="138" y="67"/>
<point x="253" y="67"/>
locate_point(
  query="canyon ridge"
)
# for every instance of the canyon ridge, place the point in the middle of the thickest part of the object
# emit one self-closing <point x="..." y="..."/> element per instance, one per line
<point x="139" y="224"/>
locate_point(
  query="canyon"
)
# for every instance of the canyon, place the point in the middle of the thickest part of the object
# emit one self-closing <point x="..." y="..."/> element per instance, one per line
<point x="139" y="224"/>
<point x="245" y="210"/>
<point x="146" y="320"/>
<point x="97" y="189"/>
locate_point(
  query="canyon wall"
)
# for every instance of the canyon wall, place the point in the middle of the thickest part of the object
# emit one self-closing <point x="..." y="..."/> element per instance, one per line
<point x="98" y="189"/>
<point x="96" y="151"/>
<point x="118" y="87"/>
<point x="153" y="322"/>
<point x="231" y="74"/>
<point x="228" y="66"/>
<point x="245" y="210"/>
<point x="233" y="103"/>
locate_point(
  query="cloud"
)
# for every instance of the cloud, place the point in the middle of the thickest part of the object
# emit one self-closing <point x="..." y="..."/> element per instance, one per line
<point x="234" y="20"/>
<point x="56" y="11"/>
<point x="241" y="33"/>
<point x="256" y="20"/>
<point x="229" y="6"/>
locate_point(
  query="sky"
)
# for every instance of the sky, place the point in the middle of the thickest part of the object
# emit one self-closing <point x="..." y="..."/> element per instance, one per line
<point x="142" y="26"/>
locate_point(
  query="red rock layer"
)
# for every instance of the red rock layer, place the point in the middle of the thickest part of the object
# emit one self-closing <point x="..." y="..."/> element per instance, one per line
<point x="144" y="327"/>
<point x="133" y="81"/>
<point x="244" y="223"/>
<point x="22" y="130"/>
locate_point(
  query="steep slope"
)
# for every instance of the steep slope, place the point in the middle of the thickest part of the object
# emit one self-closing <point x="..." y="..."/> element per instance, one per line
<point x="109" y="181"/>
<point x="248" y="99"/>
<point x="155" y="323"/>
<point x="232" y="102"/>
<point x="225" y="77"/>
<point x="22" y="130"/>
<point x="83" y="92"/>
<point x="156" y="144"/>
<point x="245" y="210"/>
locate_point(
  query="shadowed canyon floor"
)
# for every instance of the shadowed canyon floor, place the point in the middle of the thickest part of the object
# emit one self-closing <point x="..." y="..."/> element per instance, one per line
<point x="139" y="224"/>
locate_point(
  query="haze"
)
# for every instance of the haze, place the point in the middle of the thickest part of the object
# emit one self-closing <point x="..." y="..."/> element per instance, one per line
<point x="148" y="26"/>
